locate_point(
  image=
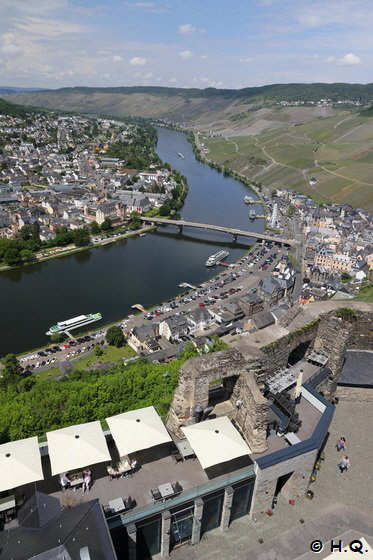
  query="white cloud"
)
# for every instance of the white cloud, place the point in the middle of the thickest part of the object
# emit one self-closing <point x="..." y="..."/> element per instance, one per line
<point x="203" y="57"/>
<point x="189" y="29"/>
<point x="246" y="59"/>
<point x="143" y="5"/>
<point x="47" y="28"/>
<point x="186" y="55"/>
<point x="173" y="80"/>
<point x="137" y="61"/>
<point x="349" y="60"/>
<point x="117" y="58"/>
<point x="330" y="59"/>
<point x="148" y="76"/>
<point x="10" y="44"/>
<point x="34" y="6"/>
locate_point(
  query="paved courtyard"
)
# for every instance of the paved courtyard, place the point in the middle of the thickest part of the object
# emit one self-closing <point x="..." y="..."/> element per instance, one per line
<point x="333" y="511"/>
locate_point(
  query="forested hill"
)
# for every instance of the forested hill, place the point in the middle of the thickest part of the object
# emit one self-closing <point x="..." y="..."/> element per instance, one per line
<point x="289" y="92"/>
<point x="12" y="110"/>
<point x="208" y="104"/>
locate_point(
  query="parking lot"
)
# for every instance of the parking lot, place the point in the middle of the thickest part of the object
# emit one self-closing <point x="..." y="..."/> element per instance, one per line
<point x="240" y="277"/>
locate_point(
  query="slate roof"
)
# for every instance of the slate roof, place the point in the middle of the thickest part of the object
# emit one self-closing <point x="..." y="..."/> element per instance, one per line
<point x="71" y="530"/>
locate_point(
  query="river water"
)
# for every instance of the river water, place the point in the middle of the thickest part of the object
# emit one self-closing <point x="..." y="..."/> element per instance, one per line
<point x="144" y="270"/>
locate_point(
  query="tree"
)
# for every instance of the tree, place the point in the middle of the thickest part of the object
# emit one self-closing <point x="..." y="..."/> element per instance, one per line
<point x="106" y="224"/>
<point x="58" y="337"/>
<point x="135" y="222"/>
<point x="217" y="344"/>
<point x="11" y="256"/>
<point x="95" y="228"/>
<point x="36" y="232"/>
<point x="98" y="350"/>
<point x="345" y="277"/>
<point x="81" y="237"/>
<point x="26" y="232"/>
<point x="290" y="211"/>
<point x="12" y="369"/>
<point x="26" y="255"/>
<point x="114" y="336"/>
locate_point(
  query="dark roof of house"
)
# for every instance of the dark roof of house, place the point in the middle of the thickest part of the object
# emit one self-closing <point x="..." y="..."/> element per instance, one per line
<point x="176" y="322"/>
<point x="250" y="298"/>
<point x="39" y="510"/>
<point x="199" y="314"/>
<point x="71" y="530"/>
<point x="269" y="285"/>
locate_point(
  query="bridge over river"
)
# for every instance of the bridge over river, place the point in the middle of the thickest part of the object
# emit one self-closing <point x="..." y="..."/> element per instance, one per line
<point x="180" y="224"/>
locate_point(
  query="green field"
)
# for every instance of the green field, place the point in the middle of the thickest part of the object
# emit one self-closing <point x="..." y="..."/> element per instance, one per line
<point x="110" y="354"/>
<point x="337" y="150"/>
<point x="366" y="294"/>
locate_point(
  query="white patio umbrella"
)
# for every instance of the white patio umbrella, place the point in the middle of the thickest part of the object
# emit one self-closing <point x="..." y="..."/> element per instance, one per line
<point x="76" y="447"/>
<point x="137" y="429"/>
<point x="20" y="463"/>
<point x="216" y="441"/>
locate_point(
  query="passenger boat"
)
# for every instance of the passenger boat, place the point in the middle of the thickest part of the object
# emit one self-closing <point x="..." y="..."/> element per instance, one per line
<point x="74" y="323"/>
<point x="215" y="259"/>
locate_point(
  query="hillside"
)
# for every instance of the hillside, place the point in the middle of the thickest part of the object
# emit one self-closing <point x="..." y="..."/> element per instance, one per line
<point x="250" y="132"/>
<point x="185" y="104"/>
<point x="288" y="147"/>
<point x="13" y="110"/>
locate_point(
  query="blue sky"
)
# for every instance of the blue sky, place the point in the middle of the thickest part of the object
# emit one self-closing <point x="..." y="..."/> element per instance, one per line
<point x="184" y="43"/>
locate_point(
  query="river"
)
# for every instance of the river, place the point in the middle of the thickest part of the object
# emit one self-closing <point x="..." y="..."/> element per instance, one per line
<point x="144" y="270"/>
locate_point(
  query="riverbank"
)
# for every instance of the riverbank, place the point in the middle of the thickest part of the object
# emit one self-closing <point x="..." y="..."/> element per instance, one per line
<point x="136" y="313"/>
<point x="70" y="250"/>
<point x="197" y="150"/>
<point x="144" y="270"/>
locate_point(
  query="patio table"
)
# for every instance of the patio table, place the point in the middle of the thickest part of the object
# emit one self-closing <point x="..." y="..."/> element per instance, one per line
<point x="185" y="449"/>
<point x="117" y="505"/>
<point x="166" y="490"/>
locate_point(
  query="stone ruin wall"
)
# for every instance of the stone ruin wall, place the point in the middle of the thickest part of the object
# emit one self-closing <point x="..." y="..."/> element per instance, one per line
<point x="326" y="333"/>
<point x="362" y="336"/>
<point x="278" y="352"/>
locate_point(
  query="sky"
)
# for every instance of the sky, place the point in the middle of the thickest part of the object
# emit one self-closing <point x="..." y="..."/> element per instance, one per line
<point x="184" y="43"/>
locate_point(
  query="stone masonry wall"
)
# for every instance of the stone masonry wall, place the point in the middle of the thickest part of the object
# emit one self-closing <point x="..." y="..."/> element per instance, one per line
<point x="319" y="325"/>
<point x="194" y="379"/>
<point x="362" y="337"/>
<point x="252" y="416"/>
<point x="266" y="481"/>
<point x="333" y="338"/>
<point x="278" y="351"/>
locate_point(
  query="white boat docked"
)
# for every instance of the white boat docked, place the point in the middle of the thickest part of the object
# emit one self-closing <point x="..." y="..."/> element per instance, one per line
<point x="215" y="259"/>
<point x="74" y="323"/>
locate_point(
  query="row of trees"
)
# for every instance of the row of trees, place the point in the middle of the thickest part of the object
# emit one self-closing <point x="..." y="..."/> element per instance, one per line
<point x="23" y="249"/>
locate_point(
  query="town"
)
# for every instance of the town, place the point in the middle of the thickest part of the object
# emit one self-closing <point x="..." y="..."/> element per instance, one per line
<point x="59" y="187"/>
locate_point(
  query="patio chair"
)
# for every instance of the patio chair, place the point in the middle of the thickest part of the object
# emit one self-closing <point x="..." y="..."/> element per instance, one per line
<point x="177" y="487"/>
<point x="128" y="503"/>
<point x="156" y="495"/>
<point x="177" y="457"/>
